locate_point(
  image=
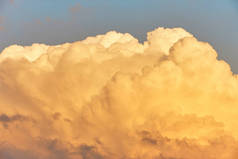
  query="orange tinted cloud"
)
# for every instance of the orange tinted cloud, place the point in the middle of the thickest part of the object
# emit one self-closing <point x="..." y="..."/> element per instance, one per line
<point x="110" y="96"/>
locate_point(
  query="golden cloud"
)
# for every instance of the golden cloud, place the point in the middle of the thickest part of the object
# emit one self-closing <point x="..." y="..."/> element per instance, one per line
<point x="111" y="97"/>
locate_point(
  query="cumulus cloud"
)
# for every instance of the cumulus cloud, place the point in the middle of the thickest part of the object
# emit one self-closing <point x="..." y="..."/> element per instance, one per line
<point x="5" y="118"/>
<point x="110" y="96"/>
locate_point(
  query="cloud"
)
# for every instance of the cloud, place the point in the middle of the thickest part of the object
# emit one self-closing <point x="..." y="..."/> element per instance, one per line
<point x="5" y="118"/>
<point x="110" y="96"/>
<point x="88" y="152"/>
<point x="9" y="152"/>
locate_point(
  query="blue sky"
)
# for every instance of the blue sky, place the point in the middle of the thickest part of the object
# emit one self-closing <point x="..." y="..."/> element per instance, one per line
<point x="56" y="21"/>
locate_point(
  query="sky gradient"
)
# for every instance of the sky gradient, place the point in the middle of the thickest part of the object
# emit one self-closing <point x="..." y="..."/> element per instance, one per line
<point x="25" y="22"/>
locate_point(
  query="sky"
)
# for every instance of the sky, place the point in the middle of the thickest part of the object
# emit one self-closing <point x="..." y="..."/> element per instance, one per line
<point x="24" y="22"/>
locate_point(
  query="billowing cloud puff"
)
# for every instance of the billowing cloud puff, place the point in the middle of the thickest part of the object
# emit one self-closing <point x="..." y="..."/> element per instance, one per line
<point x="111" y="97"/>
